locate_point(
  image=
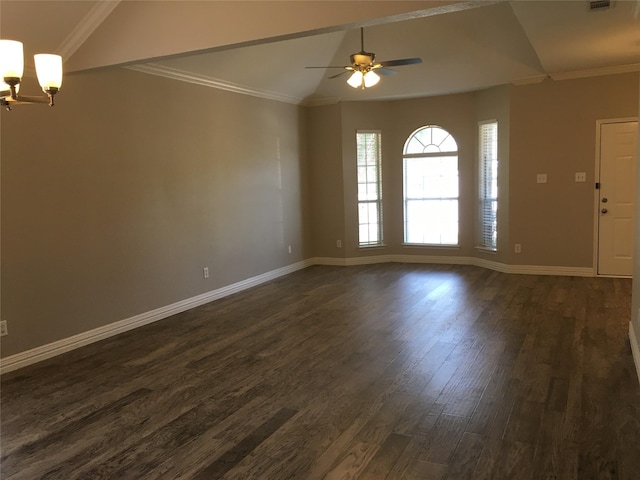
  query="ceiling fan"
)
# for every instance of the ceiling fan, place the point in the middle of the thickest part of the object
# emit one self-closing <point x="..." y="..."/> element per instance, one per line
<point x="365" y="68"/>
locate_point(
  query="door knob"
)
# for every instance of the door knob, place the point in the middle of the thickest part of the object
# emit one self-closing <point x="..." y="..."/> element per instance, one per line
<point x="604" y="210"/>
<point x="605" y="200"/>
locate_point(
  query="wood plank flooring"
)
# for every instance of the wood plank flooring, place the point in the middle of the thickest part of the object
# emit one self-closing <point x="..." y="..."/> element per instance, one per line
<point x="387" y="371"/>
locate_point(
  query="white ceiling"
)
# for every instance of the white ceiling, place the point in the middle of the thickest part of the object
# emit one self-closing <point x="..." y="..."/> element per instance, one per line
<point x="477" y="45"/>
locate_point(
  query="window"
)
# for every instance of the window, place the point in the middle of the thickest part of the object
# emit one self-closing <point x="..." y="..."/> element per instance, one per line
<point x="488" y="188"/>
<point x="431" y="187"/>
<point x="369" y="188"/>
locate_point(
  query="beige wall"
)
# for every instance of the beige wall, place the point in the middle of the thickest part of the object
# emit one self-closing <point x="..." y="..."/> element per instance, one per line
<point x="325" y="180"/>
<point x="548" y="127"/>
<point x="115" y="200"/>
<point x="458" y="114"/>
<point x="454" y="113"/>
<point x="494" y="104"/>
<point x="553" y="131"/>
<point x="635" y="309"/>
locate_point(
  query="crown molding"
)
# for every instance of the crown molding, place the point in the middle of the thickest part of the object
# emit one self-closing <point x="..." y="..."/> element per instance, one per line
<point x="595" y="72"/>
<point x="83" y="30"/>
<point x="184" y="76"/>
<point x="530" y="80"/>
<point x="319" y="102"/>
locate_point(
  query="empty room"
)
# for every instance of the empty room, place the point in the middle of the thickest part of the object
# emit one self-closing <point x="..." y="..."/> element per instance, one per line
<point x="319" y="239"/>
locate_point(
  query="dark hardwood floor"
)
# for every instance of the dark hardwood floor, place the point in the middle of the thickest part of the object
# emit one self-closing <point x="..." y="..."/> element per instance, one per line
<point x="376" y="372"/>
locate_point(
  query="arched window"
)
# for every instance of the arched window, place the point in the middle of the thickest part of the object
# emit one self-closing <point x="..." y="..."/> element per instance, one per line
<point x="430" y="161"/>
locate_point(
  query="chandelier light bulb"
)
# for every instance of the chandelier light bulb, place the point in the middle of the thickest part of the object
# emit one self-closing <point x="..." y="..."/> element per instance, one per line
<point x="49" y="70"/>
<point x="11" y="59"/>
<point x="5" y="87"/>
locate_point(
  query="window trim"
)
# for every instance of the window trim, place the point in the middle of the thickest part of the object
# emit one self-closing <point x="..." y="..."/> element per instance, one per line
<point x="378" y="201"/>
<point x="482" y="188"/>
<point x="425" y="155"/>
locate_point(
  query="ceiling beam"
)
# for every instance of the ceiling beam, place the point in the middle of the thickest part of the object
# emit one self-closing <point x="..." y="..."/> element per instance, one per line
<point x="138" y="31"/>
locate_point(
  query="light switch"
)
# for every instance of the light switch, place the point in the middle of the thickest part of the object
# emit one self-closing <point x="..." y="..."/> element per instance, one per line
<point x="581" y="176"/>
<point x="542" y="178"/>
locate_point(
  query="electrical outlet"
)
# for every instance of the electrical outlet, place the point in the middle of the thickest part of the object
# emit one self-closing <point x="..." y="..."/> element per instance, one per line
<point x="339" y="243"/>
<point x="3" y="328"/>
<point x="289" y="248"/>
<point x="205" y="272"/>
<point x="517" y="248"/>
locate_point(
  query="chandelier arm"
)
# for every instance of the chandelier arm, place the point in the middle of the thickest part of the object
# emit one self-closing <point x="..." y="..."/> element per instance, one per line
<point x="28" y="99"/>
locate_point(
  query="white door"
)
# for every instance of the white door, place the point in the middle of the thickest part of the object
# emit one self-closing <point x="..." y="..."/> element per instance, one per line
<point x="618" y="151"/>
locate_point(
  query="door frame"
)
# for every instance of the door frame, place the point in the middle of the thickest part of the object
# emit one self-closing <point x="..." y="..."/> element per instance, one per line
<point x="596" y="193"/>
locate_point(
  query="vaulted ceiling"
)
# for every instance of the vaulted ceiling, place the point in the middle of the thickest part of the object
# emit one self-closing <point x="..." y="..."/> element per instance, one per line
<point x="262" y="47"/>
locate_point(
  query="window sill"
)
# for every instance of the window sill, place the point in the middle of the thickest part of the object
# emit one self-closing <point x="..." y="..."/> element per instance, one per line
<point x="487" y="250"/>
<point x="372" y="247"/>
<point x="431" y="245"/>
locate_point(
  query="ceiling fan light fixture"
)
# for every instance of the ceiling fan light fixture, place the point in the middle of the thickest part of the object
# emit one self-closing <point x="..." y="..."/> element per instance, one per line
<point x="355" y="80"/>
<point x="371" y="78"/>
<point x="363" y="65"/>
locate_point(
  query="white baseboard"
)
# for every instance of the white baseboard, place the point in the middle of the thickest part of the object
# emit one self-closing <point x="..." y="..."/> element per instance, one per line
<point x="635" y="348"/>
<point x="352" y="261"/>
<point x="548" y="270"/>
<point x="44" y="352"/>
<point x="457" y="260"/>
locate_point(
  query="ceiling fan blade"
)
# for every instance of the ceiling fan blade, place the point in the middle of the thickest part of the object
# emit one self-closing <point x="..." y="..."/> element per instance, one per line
<point x="331" y="66"/>
<point x="404" y="61"/>
<point x="385" y="71"/>
<point x="338" y="74"/>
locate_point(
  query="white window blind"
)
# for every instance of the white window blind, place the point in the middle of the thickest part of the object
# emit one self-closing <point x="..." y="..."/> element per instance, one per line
<point x="488" y="188"/>
<point x="369" y="164"/>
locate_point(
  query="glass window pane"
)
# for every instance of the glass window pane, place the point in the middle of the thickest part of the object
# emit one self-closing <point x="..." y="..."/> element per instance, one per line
<point x="449" y="145"/>
<point x="414" y="146"/>
<point x="369" y="159"/>
<point x="430" y="139"/>
<point x="431" y="189"/>
<point x="488" y="148"/>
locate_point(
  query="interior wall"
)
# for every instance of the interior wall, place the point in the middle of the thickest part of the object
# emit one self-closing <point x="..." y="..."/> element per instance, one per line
<point x="398" y="120"/>
<point x="635" y="308"/>
<point x="494" y="104"/>
<point x="115" y="200"/>
<point x="459" y="114"/>
<point x="553" y="131"/>
<point x="543" y="128"/>
<point x="325" y="180"/>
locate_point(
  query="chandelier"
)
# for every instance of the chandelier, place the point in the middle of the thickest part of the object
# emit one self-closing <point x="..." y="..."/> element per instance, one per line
<point x="48" y="70"/>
